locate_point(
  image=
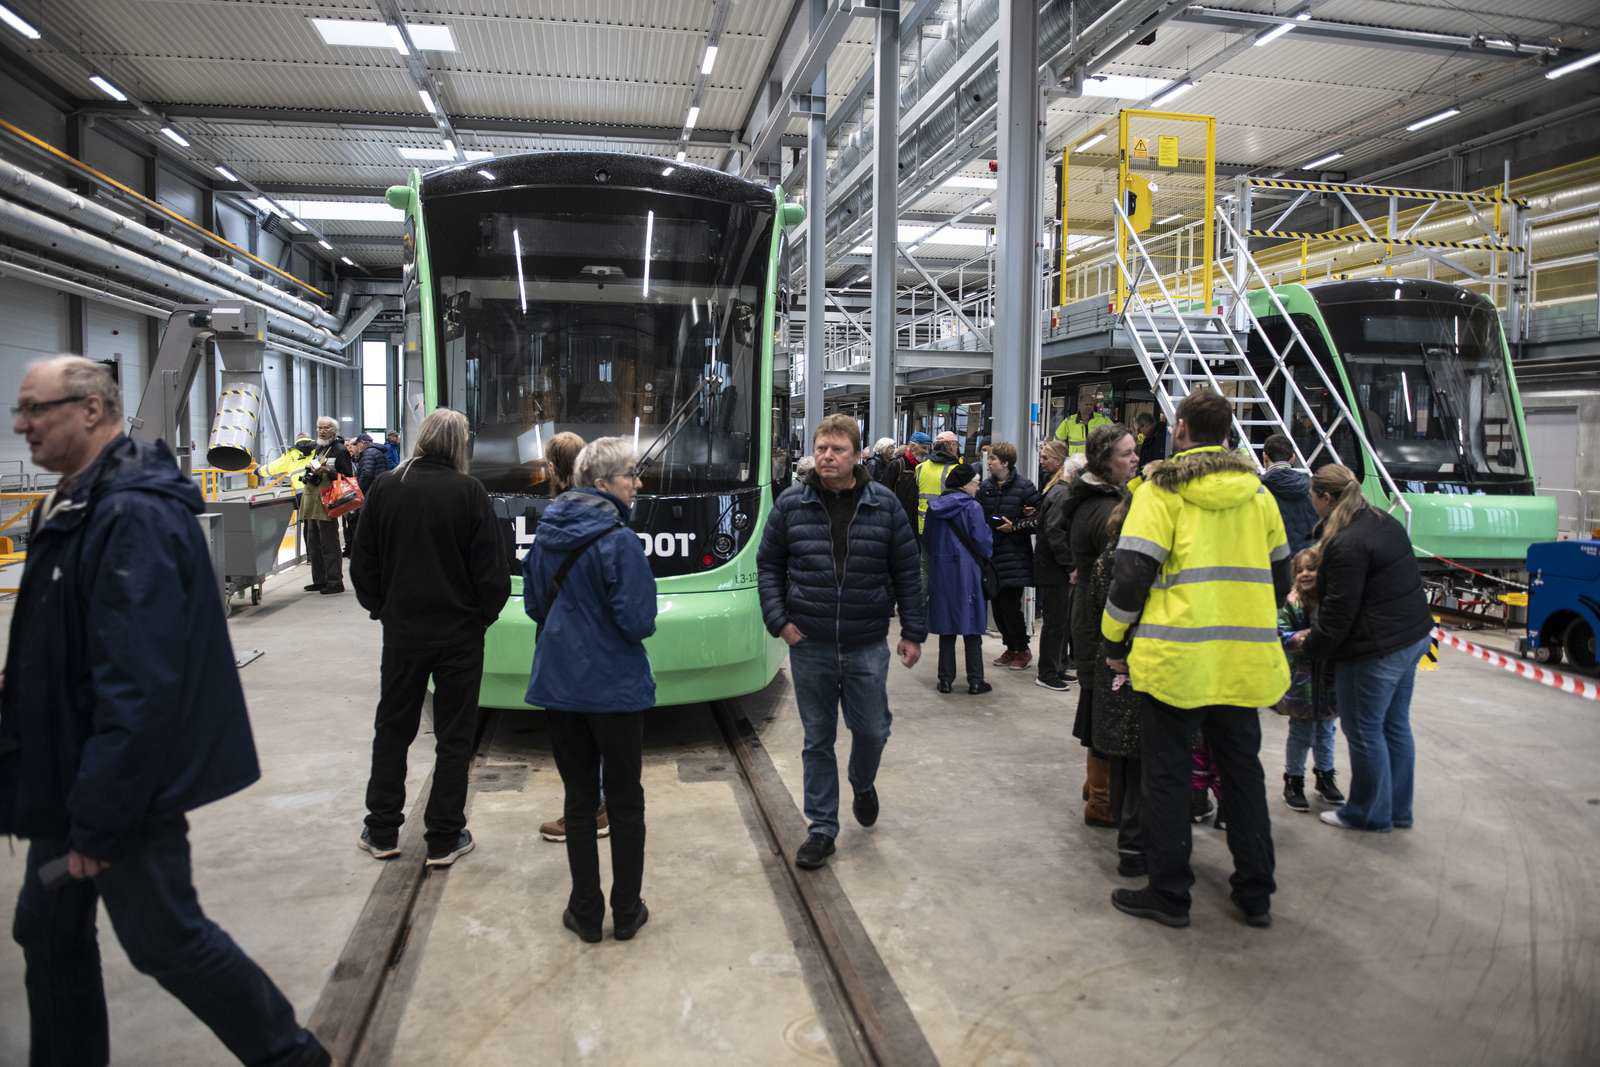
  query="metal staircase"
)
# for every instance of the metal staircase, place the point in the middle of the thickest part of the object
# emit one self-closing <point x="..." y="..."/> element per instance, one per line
<point x="1182" y="348"/>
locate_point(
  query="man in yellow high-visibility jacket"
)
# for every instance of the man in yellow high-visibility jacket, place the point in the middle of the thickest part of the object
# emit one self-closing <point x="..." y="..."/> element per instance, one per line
<point x="931" y="472"/>
<point x="1200" y="570"/>
<point x="1075" y="428"/>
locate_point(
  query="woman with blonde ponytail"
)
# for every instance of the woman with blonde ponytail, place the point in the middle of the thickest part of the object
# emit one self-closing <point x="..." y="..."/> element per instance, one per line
<point x="1372" y="623"/>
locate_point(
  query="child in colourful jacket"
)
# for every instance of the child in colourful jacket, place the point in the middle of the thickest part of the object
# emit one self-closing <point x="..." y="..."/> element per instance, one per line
<point x="1309" y="703"/>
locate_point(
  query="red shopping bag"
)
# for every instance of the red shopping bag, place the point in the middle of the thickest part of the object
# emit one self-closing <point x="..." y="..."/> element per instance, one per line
<point x="342" y="497"/>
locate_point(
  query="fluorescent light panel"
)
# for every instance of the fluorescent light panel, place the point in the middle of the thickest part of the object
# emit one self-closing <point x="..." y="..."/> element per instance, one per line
<point x="1566" y="68"/>
<point x="356" y="33"/>
<point x="1172" y="94"/>
<point x="1281" y="29"/>
<point x="1448" y="113"/>
<point x="680" y="155"/>
<point x="1090" y="143"/>
<point x="427" y="153"/>
<point x="175" y="137"/>
<point x="18" y="23"/>
<point x="710" y="60"/>
<point x="427" y="101"/>
<point x="347" y="261"/>
<point x="298" y="225"/>
<point x="227" y="175"/>
<point x="336" y="210"/>
<point x="324" y="244"/>
<point x="475" y="154"/>
<point x="694" y="117"/>
<point x="106" y="87"/>
<point x="964" y="181"/>
<point x="1123" y="86"/>
<point x="1329" y="158"/>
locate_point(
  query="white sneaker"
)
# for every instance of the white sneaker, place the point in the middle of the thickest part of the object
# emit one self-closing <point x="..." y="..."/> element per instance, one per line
<point x="1332" y="819"/>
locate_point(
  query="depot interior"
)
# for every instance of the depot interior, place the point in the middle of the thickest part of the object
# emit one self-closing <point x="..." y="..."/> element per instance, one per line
<point x="1008" y="209"/>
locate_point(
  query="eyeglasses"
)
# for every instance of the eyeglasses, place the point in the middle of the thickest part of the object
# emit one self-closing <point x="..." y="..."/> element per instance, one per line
<point x="34" y="409"/>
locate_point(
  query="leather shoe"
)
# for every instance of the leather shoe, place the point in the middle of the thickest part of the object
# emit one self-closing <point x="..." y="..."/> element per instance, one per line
<point x="624" y="931"/>
<point x="814" y="853"/>
<point x="570" y="921"/>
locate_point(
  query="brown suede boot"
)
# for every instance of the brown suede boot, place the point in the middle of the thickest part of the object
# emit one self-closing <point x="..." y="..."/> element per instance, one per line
<point x="1097" y="811"/>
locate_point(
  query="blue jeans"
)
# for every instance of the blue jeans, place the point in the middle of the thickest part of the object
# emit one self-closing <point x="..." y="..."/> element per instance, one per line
<point x="1315" y="735"/>
<point x="1374" y="697"/>
<point x="150" y="897"/>
<point x="826" y="677"/>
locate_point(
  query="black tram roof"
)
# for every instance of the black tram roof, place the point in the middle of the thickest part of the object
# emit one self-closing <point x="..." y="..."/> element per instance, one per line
<point x="1380" y="289"/>
<point x="616" y="169"/>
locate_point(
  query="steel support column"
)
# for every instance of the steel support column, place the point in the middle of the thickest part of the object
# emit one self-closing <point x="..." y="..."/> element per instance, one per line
<point x="885" y="217"/>
<point x="1016" y="326"/>
<point x="816" y="237"/>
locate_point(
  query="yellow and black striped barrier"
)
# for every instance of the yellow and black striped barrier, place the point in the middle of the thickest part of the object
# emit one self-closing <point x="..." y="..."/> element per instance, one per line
<point x="1386" y="190"/>
<point x="1406" y="242"/>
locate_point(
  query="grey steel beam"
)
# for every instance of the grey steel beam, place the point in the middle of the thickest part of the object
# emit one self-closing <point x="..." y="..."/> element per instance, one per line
<point x="826" y="33"/>
<point x="417" y="70"/>
<point x="1377" y="36"/>
<point x="909" y="359"/>
<point x="816" y="233"/>
<point x="1016" y="325"/>
<point x="885" y="216"/>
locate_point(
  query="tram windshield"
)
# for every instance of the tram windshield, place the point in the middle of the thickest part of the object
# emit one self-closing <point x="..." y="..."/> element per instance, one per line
<point x="1431" y="390"/>
<point x="602" y="312"/>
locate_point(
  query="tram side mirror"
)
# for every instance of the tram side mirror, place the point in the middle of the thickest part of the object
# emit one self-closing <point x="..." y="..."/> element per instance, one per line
<point x="1506" y="457"/>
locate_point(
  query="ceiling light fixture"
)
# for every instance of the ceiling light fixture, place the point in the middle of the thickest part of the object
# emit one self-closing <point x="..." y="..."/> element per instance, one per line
<point x="680" y="155"/>
<point x="324" y="244"/>
<point x="710" y="60"/>
<point x="1321" y="160"/>
<point x="694" y="117"/>
<point x="429" y="37"/>
<point x="299" y="226"/>
<point x="427" y="101"/>
<point x="1447" y="113"/>
<point x="175" y="137"/>
<point x="1124" y="86"/>
<point x="1172" y="94"/>
<point x="1090" y="143"/>
<point x="428" y="153"/>
<point x="1281" y="29"/>
<point x="106" y="87"/>
<point x="475" y="154"/>
<point x="347" y="261"/>
<point x="1566" y="68"/>
<point x="227" y="175"/>
<point x="18" y="23"/>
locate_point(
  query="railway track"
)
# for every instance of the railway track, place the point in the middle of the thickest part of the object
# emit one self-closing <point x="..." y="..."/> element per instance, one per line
<point x="858" y="1003"/>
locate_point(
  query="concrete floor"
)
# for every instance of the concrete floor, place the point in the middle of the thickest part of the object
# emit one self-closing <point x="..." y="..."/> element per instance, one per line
<point x="1471" y="939"/>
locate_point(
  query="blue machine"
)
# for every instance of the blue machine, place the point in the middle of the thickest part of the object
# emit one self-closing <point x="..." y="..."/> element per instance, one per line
<point x="1563" y="603"/>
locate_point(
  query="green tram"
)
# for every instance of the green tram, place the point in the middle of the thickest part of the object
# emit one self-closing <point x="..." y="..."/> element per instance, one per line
<point x="610" y="294"/>
<point x="1425" y="368"/>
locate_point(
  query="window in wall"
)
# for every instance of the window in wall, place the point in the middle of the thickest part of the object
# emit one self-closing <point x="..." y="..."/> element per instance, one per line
<point x="375" y="386"/>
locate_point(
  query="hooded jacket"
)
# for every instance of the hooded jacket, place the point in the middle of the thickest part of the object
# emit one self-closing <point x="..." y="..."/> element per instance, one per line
<point x="1292" y="490"/>
<point x="1201" y="568"/>
<point x="589" y="655"/>
<point x="122" y="704"/>
<point x="955" y="581"/>
<point x="882" y="570"/>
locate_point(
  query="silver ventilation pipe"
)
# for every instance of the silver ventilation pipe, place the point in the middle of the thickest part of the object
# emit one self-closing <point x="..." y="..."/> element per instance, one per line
<point x="97" y="218"/>
<point x="41" y="230"/>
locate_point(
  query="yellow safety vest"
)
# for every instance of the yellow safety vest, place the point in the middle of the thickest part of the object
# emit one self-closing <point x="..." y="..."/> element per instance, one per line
<point x="1076" y="434"/>
<point x="930" y="483"/>
<point x="293" y="463"/>
<point x="1208" y="631"/>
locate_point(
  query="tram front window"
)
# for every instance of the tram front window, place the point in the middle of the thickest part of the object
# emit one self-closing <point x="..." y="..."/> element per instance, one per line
<point x="603" y="312"/>
<point x="1431" y="390"/>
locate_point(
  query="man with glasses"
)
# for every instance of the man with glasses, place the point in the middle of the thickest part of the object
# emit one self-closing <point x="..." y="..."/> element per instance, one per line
<point x="121" y="711"/>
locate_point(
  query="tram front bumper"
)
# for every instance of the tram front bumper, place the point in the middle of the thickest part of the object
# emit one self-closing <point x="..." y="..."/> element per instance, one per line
<point x="707" y="646"/>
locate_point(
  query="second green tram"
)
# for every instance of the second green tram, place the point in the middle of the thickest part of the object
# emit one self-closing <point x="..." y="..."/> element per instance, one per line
<point x="611" y="295"/>
<point x="1425" y="368"/>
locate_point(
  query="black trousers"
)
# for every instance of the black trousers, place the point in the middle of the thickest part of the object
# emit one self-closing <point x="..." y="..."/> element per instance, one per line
<point x="947" y="657"/>
<point x="347" y="525"/>
<point x="457" y="672"/>
<point x="1008" y="617"/>
<point x="584" y="742"/>
<point x="1234" y="738"/>
<point x="322" y="545"/>
<point x="1127" y="794"/>
<point x="1055" y="636"/>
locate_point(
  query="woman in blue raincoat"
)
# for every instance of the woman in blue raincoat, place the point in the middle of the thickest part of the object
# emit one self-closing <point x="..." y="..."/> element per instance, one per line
<point x="957" y="537"/>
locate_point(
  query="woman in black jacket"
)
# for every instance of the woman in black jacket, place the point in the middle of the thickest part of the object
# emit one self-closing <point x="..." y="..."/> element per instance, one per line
<point x="1113" y="457"/>
<point x="1052" y="566"/>
<point x="1373" y="624"/>
<point x="1006" y="495"/>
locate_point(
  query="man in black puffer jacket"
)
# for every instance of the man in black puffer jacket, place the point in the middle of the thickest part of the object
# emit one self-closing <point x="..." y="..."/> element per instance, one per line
<point x="838" y="552"/>
<point x="1291" y="489"/>
<point x="1005" y="494"/>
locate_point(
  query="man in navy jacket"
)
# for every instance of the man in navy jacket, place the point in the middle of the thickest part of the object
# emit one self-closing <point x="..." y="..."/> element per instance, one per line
<point x="837" y="554"/>
<point x="121" y="711"/>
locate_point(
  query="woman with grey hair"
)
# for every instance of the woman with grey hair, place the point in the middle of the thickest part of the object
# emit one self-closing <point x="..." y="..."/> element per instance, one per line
<point x="587" y="584"/>
<point x="433" y="563"/>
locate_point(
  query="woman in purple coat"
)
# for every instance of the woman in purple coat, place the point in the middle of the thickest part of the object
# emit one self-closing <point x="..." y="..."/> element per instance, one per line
<point x="956" y="536"/>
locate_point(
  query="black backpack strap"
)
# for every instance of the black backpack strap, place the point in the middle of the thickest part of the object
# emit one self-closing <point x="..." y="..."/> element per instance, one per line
<point x="566" y="567"/>
<point x="966" y="541"/>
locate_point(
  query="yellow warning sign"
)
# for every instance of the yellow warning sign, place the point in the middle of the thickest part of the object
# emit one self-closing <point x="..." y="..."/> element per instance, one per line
<point x="1166" y="151"/>
<point x="1141" y="148"/>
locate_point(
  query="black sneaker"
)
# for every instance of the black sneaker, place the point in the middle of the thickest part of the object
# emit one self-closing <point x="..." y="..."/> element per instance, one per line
<point x="624" y="931"/>
<point x="1294" y="792"/>
<point x="314" y="587"/>
<point x="979" y="688"/>
<point x="1132" y="866"/>
<point x="332" y="590"/>
<point x="570" y="921"/>
<point x="379" y="852"/>
<point x="944" y="686"/>
<point x="1144" y="904"/>
<point x="1200" y="806"/>
<point x="865" y="807"/>
<point x="446" y="856"/>
<point x="814" y="853"/>
<point x="1260" y="918"/>
<point x="1328" y="787"/>
<point x="1058" y="684"/>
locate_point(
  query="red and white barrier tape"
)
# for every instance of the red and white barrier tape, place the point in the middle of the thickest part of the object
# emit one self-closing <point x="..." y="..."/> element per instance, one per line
<point x="1516" y="665"/>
